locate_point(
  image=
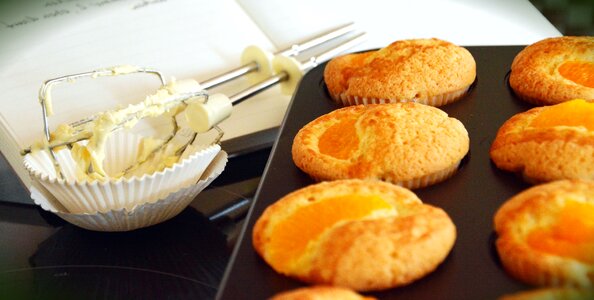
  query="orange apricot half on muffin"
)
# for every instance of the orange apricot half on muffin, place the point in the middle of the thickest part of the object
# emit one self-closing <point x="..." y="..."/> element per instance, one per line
<point x="548" y="143"/>
<point x="358" y="234"/>
<point x="546" y="234"/>
<point x="554" y="70"/>
<point x="408" y="144"/>
<point x="580" y="72"/>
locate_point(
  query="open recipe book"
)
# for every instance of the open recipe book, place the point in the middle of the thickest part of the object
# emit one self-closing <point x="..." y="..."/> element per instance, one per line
<point x="197" y="39"/>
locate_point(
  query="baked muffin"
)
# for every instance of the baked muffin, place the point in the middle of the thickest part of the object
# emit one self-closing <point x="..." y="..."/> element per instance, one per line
<point x="428" y="71"/>
<point x="546" y="234"/>
<point x="552" y="294"/>
<point x="548" y="143"/>
<point x="408" y="144"/>
<point x="362" y="235"/>
<point x="320" y="293"/>
<point x="554" y="70"/>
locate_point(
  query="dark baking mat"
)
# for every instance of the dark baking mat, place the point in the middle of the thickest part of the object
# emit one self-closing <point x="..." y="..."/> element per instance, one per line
<point x="471" y="197"/>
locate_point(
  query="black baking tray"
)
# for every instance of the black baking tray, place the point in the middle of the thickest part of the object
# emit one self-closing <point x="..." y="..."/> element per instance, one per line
<point x="472" y="269"/>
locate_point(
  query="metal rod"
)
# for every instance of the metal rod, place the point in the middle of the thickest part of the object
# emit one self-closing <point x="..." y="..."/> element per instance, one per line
<point x="228" y="76"/>
<point x="259" y="87"/>
<point x="47" y="85"/>
<point x="291" y="51"/>
<point x="305" y="66"/>
<point x="327" y="55"/>
<point x="296" y="49"/>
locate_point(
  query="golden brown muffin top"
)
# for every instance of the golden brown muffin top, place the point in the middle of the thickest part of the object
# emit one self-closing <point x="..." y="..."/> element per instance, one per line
<point x="546" y="234"/>
<point x="555" y="70"/>
<point x="549" y="123"/>
<point x="364" y="235"/>
<point x="404" y="70"/>
<point x="548" y="143"/>
<point x="400" y="141"/>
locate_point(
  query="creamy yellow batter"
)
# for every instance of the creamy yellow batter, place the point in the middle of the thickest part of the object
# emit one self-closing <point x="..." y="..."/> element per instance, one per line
<point x="154" y="155"/>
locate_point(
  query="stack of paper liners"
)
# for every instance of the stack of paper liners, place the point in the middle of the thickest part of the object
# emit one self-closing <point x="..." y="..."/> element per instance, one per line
<point x="122" y="204"/>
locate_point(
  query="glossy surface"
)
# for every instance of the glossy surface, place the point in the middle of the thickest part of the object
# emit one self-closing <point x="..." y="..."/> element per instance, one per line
<point x="185" y="256"/>
<point x="43" y="257"/>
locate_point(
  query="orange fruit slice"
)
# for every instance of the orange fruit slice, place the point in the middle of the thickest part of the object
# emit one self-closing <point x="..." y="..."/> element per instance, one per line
<point x="340" y="140"/>
<point x="571" y="235"/>
<point x="290" y="237"/>
<point x="580" y="72"/>
<point x="349" y="232"/>
<point x="575" y="113"/>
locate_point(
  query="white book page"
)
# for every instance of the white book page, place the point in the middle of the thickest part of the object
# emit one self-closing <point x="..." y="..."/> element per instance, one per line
<point x="181" y="38"/>
<point x="464" y="22"/>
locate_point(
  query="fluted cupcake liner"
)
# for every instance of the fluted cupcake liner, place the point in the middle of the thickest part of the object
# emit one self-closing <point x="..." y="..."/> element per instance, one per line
<point x="415" y="183"/>
<point x="438" y="100"/>
<point x="140" y="216"/>
<point x="429" y="179"/>
<point x="102" y="196"/>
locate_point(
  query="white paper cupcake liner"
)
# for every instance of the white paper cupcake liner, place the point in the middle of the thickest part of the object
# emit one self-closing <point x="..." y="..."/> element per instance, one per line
<point x="427" y="180"/>
<point x="143" y="215"/>
<point x="418" y="182"/>
<point x="436" y="101"/>
<point x="97" y="196"/>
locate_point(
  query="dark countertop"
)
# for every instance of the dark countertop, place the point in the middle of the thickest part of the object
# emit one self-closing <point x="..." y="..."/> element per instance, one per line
<point x="44" y="257"/>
